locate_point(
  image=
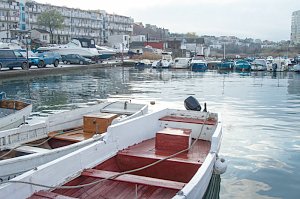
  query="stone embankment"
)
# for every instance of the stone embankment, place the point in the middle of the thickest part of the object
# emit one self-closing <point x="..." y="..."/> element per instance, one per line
<point x="50" y="70"/>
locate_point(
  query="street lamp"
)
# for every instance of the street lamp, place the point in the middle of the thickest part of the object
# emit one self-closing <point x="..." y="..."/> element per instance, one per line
<point x="27" y="38"/>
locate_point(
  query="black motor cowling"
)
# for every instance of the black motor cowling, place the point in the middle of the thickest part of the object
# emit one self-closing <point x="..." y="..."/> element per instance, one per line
<point x="191" y="103"/>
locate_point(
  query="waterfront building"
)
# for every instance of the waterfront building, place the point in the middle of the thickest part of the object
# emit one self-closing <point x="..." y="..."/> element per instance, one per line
<point x="22" y="16"/>
<point x="295" y="27"/>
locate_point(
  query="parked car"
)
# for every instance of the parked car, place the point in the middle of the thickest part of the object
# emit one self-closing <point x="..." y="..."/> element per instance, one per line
<point x="75" y="59"/>
<point x="43" y="59"/>
<point x="11" y="59"/>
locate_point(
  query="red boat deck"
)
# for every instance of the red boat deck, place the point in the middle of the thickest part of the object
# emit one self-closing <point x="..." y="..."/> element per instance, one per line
<point x="162" y="180"/>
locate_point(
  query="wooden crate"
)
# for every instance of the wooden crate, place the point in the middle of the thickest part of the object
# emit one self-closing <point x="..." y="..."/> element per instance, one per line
<point x="97" y="123"/>
<point x="173" y="139"/>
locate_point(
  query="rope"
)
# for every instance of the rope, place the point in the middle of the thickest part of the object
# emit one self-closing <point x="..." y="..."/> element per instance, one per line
<point x="117" y="175"/>
<point x="36" y="145"/>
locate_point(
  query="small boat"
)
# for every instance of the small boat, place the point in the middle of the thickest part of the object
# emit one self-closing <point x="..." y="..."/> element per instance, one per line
<point x="144" y="63"/>
<point x="242" y="65"/>
<point x="259" y="65"/>
<point x="61" y="133"/>
<point x="296" y="68"/>
<point x="165" y="154"/>
<point x="181" y="63"/>
<point x="198" y="64"/>
<point x="165" y="62"/>
<point x="12" y="112"/>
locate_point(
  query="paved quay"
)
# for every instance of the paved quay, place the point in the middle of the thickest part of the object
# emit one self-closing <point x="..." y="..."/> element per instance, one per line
<point x="50" y="69"/>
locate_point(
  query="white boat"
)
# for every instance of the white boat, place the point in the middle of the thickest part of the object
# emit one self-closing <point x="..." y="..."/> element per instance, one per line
<point x="166" y="154"/>
<point x="280" y="65"/>
<point x="106" y="52"/>
<point x="296" y="68"/>
<point x="81" y="46"/>
<point x="165" y="62"/>
<point x="181" y="63"/>
<point x="60" y="134"/>
<point x="12" y="112"/>
<point x="259" y="65"/>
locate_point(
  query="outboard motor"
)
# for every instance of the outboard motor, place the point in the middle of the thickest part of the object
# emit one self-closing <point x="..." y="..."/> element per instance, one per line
<point x="191" y="103"/>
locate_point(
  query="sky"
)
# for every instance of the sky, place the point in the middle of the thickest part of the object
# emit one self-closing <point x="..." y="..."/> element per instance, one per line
<point x="257" y="19"/>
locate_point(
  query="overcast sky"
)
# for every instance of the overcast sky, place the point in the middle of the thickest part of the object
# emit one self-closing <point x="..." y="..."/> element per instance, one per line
<point x="258" y="19"/>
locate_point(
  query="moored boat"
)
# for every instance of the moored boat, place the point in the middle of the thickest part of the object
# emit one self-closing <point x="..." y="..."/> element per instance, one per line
<point x="198" y="64"/>
<point x="12" y="112"/>
<point x="296" y="68"/>
<point x="242" y="65"/>
<point x="259" y="65"/>
<point x="61" y="133"/>
<point x="166" y="154"/>
<point x="225" y="65"/>
<point x="181" y="63"/>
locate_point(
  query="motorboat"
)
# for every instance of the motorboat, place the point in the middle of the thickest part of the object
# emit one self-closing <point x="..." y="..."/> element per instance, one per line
<point x="13" y="112"/>
<point x="198" y="63"/>
<point x="165" y="62"/>
<point x="296" y="68"/>
<point x="170" y="153"/>
<point x="181" y="63"/>
<point x="106" y="52"/>
<point x="31" y="145"/>
<point x="259" y="65"/>
<point x="280" y="64"/>
<point x="225" y="65"/>
<point x="81" y="46"/>
<point x="242" y="65"/>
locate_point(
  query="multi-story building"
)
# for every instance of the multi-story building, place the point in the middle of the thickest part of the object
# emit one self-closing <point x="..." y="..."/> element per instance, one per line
<point x="295" y="28"/>
<point x="97" y="24"/>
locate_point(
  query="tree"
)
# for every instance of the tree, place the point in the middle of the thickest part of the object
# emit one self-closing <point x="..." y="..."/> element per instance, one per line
<point x="52" y="20"/>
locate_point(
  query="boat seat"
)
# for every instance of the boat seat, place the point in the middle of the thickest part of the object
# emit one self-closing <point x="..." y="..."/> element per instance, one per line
<point x="49" y="195"/>
<point x="135" y="179"/>
<point x="31" y="149"/>
<point x="188" y="120"/>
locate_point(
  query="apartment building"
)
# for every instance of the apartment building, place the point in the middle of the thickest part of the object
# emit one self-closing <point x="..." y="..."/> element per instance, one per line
<point x="97" y="24"/>
<point x="295" y="27"/>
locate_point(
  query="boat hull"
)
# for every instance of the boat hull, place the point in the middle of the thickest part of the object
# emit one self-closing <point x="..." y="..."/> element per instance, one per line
<point x="10" y="168"/>
<point x="120" y="137"/>
<point x="15" y="119"/>
<point x="198" y="67"/>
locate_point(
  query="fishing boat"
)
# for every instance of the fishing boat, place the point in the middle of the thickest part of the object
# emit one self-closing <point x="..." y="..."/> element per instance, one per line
<point x="144" y="63"/>
<point x="198" y="63"/>
<point x="61" y="133"/>
<point x="165" y="154"/>
<point x="12" y="112"/>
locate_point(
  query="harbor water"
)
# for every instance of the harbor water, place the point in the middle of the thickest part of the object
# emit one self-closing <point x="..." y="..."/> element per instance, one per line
<point x="260" y="112"/>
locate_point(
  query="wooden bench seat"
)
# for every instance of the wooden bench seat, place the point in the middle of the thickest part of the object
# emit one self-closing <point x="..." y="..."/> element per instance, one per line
<point x="49" y="195"/>
<point x="135" y="179"/>
<point x="188" y="120"/>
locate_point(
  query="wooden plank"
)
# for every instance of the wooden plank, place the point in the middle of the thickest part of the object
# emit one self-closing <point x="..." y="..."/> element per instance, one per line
<point x="50" y="195"/>
<point x="188" y="120"/>
<point x="135" y="179"/>
<point x="30" y="149"/>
